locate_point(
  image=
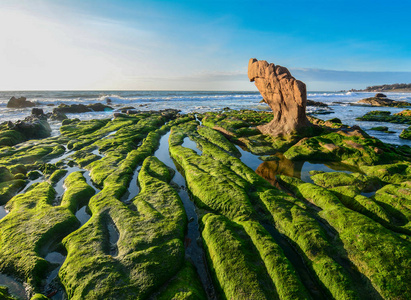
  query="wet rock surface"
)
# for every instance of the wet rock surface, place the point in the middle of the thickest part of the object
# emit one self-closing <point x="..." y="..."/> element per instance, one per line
<point x="19" y="103"/>
<point x="382" y="100"/>
<point x="219" y="211"/>
<point x="80" y="108"/>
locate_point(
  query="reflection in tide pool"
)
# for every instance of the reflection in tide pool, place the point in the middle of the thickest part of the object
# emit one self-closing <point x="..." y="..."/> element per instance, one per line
<point x="307" y="167"/>
<point x="15" y="287"/>
<point x="249" y="159"/>
<point x="3" y="212"/>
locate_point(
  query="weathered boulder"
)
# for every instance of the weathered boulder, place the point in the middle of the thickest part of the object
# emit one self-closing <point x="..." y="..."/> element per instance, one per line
<point x="19" y="103"/>
<point x="57" y="116"/>
<point x="380" y="95"/>
<point x="37" y="111"/>
<point x="316" y="103"/>
<point x="81" y="108"/>
<point x="33" y="129"/>
<point x="286" y="96"/>
<point x="383" y="101"/>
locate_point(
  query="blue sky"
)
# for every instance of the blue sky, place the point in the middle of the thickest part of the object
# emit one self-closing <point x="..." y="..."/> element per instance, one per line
<point x="201" y="45"/>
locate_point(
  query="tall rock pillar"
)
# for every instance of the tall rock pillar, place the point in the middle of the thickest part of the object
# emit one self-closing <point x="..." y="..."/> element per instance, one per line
<point x="286" y="96"/>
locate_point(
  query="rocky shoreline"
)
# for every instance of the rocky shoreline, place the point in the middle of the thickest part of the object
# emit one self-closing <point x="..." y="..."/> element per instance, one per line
<point x="233" y="204"/>
<point x="242" y="206"/>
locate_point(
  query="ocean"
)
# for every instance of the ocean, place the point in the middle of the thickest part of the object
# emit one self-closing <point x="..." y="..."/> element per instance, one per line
<point x="202" y="101"/>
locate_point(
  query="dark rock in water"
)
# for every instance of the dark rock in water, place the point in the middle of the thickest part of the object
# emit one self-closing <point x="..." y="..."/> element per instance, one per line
<point x="335" y="120"/>
<point x="19" y="103"/>
<point x="403" y="117"/>
<point x="99" y="107"/>
<point x="108" y="101"/>
<point x="380" y="128"/>
<point x="81" y="108"/>
<point x="406" y="133"/>
<point x="37" y="111"/>
<point x="315" y="103"/>
<point x="33" y="175"/>
<point x="57" y="116"/>
<point x="74" y="108"/>
<point x="31" y="128"/>
<point x="286" y="96"/>
<point x="380" y="95"/>
<point x="383" y="101"/>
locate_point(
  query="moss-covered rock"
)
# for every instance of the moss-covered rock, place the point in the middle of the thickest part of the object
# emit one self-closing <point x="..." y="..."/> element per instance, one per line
<point x="406" y="133"/>
<point x="385" y="116"/>
<point x="353" y="147"/>
<point x="377" y="252"/>
<point x="139" y="265"/>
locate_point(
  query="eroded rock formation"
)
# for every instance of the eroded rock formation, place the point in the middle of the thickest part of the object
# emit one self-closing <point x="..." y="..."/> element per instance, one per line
<point x="19" y="103"/>
<point x="285" y="95"/>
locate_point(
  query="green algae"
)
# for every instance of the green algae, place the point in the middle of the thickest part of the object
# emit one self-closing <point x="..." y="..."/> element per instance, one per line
<point x="33" y="224"/>
<point x="4" y="294"/>
<point x="378" y="253"/>
<point x="247" y="190"/>
<point x="352" y="148"/>
<point x="234" y="264"/>
<point x="390" y="173"/>
<point x="140" y="266"/>
<point x="333" y="179"/>
<point x="403" y="117"/>
<point x="9" y="188"/>
<point x="184" y="286"/>
<point x="406" y="133"/>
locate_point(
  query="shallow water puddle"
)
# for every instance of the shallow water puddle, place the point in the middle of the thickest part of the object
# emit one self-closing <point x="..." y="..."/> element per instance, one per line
<point x="55" y="257"/>
<point x="192" y="241"/>
<point x="113" y="236"/>
<point x="249" y="159"/>
<point x="82" y="215"/>
<point x="133" y="188"/>
<point x="307" y="167"/>
<point x="16" y="288"/>
<point x="3" y="212"/>
<point x="188" y="143"/>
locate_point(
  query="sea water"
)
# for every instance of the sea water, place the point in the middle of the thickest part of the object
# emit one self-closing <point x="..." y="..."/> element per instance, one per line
<point x="202" y="101"/>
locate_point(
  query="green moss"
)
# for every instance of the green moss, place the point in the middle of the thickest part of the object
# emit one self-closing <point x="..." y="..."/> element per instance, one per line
<point x="390" y="173"/>
<point x="406" y="133"/>
<point x="56" y="176"/>
<point x="396" y="198"/>
<point x="334" y="179"/>
<point x="39" y="297"/>
<point x="352" y="148"/>
<point x="77" y="193"/>
<point x="145" y="235"/>
<point x="385" y="116"/>
<point x="282" y="273"/>
<point x="233" y="262"/>
<point x="378" y="253"/>
<point x="184" y="286"/>
<point x="9" y="188"/>
<point x="218" y="139"/>
<point x="32" y="224"/>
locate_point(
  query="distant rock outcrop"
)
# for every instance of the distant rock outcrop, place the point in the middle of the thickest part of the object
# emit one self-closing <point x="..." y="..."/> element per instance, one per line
<point x="379" y="100"/>
<point x="81" y="108"/>
<point x="286" y="96"/>
<point x="19" y="103"/>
